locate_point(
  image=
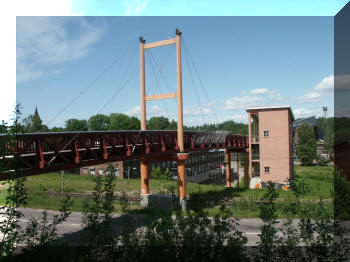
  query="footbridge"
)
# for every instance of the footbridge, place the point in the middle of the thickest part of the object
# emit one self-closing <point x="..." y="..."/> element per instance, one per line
<point x="44" y="152"/>
<point x="47" y="152"/>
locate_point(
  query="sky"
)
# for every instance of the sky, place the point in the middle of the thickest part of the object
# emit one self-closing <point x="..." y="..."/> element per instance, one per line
<point x="64" y="64"/>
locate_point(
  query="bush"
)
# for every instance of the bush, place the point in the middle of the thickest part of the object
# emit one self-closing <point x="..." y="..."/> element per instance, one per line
<point x="157" y="174"/>
<point x="321" y="161"/>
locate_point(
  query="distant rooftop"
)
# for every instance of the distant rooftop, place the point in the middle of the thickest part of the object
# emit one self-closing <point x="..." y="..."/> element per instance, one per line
<point x="311" y="121"/>
<point x="266" y="107"/>
<point x="271" y="107"/>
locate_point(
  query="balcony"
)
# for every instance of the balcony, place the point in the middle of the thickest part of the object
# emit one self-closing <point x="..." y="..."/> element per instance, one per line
<point x="255" y="139"/>
<point x="255" y="156"/>
<point x="256" y="174"/>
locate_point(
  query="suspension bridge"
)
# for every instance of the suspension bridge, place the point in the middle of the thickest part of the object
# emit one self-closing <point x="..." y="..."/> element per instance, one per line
<point x="46" y="152"/>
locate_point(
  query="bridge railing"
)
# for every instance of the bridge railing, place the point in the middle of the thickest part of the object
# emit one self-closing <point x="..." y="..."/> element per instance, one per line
<point x="43" y="152"/>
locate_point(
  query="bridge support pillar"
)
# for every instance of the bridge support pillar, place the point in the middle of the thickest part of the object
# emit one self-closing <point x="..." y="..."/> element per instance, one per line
<point x="181" y="179"/>
<point x="246" y="168"/>
<point x="144" y="177"/>
<point x="228" y="169"/>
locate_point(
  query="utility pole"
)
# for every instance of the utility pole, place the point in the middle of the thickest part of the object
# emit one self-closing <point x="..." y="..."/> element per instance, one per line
<point x="62" y="187"/>
<point x="325" y="137"/>
<point x="324" y="108"/>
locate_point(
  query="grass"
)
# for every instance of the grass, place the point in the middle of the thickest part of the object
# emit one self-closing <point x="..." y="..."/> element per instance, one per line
<point x="242" y="201"/>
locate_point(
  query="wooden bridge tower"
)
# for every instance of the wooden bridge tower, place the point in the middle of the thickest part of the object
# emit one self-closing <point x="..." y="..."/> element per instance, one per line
<point x="181" y="156"/>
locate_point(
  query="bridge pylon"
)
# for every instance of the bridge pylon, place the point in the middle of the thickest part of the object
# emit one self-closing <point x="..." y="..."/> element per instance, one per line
<point x="182" y="155"/>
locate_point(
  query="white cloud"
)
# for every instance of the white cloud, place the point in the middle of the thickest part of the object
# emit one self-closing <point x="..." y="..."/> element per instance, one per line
<point x="272" y="94"/>
<point x="259" y="91"/>
<point x="237" y="103"/>
<point x="150" y="111"/>
<point x="326" y="85"/>
<point x="304" y="112"/>
<point x="199" y="110"/>
<point x="275" y="96"/>
<point x="47" y="41"/>
<point x="135" y="111"/>
<point x="309" y="97"/>
<point x="135" y="7"/>
<point x="238" y="118"/>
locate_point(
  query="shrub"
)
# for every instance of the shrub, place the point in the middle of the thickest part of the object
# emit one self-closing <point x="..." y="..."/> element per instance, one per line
<point x="157" y="174"/>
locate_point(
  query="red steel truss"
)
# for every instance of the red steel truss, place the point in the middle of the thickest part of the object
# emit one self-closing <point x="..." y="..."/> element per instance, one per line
<point x="47" y="152"/>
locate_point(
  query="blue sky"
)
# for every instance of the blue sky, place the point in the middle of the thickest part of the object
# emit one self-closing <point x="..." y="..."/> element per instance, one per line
<point x="241" y="61"/>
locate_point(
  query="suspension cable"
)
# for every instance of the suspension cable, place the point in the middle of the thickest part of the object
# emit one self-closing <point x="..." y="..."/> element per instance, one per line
<point x="163" y="64"/>
<point x="161" y="73"/>
<point x="122" y="79"/>
<point x="200" y="80"/>
<point x="158" y="85"/>
<point x="91" y="83"/>
<point x="114" y="95"/>
<point x="194" y="87"/>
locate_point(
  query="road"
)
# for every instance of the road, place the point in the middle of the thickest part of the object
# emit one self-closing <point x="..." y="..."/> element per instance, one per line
<point x="72" y="229"/>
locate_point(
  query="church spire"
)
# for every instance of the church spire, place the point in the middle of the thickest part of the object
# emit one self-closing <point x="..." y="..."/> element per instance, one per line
<point x="36" y="113"/>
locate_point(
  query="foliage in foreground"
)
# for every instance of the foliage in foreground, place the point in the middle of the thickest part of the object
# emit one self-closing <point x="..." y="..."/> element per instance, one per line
<point x="38" y="232"/>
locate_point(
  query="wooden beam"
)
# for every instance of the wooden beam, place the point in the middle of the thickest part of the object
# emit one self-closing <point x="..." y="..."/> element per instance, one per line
<point x="143" y="85"/>
<point x="160" y="43"/>
<point x="160" y="96"/>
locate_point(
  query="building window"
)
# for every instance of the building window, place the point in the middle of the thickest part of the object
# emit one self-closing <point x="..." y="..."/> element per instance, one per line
<point x="100" y="171"/>
<point x="267" y="169"/>
<point x="85" y="170"/>
<point x="266" y="133"/>
<point x="92" y="171"/>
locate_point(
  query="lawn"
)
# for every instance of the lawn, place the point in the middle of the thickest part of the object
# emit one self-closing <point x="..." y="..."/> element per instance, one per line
<point x="43" y="189"/>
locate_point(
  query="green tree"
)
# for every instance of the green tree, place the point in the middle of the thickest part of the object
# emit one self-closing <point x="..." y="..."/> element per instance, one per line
<point x="158" y="123"/>
<point x="306" y="144"/>
<point x="76" y="125"/>
<point x="99" y="122"/>
<point x="172" y="125"/>
<point x="232" y="126"/>
<point x="123" y="122"/>
<point x="33" y="123"/>
<point x="3" y="127"/>
<point x="57" y="129"/>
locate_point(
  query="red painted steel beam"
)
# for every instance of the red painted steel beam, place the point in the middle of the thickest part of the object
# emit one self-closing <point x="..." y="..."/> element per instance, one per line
<point x="47" y="152"/>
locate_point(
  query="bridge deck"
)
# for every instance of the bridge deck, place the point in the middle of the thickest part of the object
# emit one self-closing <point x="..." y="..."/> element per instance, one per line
<point x="46" y="152"/>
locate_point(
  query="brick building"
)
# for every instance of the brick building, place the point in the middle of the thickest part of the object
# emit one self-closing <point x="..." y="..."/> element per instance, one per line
<point x="101" y="169"/>
<point x="270" y="144"/>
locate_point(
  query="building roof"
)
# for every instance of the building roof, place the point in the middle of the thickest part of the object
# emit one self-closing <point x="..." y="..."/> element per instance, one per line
<point x="259" y="108"/>
<point x="311" y="121"/>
